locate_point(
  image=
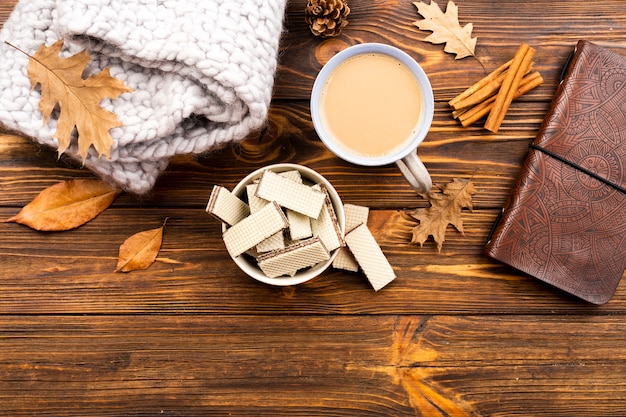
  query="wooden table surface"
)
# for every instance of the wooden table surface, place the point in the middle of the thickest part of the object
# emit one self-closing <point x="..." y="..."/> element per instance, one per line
<point x="456" y="334"/>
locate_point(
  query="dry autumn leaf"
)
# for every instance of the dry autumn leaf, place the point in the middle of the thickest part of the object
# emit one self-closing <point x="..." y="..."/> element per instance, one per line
<point x="78" y="98"/>
<point x="66" y="205"/>
<point x="140" y="250"/>
<point x="445" y="209"/>
<point x="446" y="28"/>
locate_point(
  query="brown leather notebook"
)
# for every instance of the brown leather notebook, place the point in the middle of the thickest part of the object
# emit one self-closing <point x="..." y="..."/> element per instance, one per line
<point x="565" y="219"/>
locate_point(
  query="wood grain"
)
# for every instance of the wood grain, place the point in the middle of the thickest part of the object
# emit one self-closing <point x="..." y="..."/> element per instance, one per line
<point x="447" y="152"/>
<point x="194" y="272"/>
<point x="456" y="334"/>
<point x="255" y="365"/>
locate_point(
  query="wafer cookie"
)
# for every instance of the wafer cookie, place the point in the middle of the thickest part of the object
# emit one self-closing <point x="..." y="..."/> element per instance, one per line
<point x="299" y="225"/>
<point x="370" y="257"/>
<point x="345" y="260"/>
<point x="254" y="202"/>
<point x="355" y="216"/>
<point x="293" y="175"/>
<point x="290" y="194"/>
<point x="226" y="207"/>
<point x="288" y="261"/>
<point x="254" y="229"/>
<point x="277" y="240"/>
<point x="274" y="242"/>
<point x="326" y="226"/>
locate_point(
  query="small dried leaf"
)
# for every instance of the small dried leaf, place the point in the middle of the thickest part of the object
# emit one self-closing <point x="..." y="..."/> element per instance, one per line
<point x="140" y="250"/>
<point x="67" y="205"/>
<point x="78" y="98"/>
<point x="446" y="28"/>
<point x="445" y="209"/>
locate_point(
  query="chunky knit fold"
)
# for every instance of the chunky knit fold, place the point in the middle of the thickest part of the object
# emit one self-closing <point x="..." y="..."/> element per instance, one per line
<point x="202" y="74"/>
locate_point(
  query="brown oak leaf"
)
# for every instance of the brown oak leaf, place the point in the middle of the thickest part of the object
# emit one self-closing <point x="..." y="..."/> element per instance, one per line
<point x="78" y="98"/>
<point x="445" y="209"/>
<point x="446" y="28"/>
<point x="67" y="205"/>
<point x="140" y="250"/>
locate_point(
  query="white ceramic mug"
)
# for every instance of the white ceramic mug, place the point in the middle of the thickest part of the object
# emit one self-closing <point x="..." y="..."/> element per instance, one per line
<point x="404" y="155"/>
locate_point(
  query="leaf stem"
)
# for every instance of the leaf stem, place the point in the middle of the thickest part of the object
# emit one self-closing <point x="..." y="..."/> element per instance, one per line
<point x="15" y="47"/>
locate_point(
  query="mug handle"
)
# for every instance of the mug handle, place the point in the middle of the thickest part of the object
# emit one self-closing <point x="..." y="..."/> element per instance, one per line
<point x="415" y="173"/>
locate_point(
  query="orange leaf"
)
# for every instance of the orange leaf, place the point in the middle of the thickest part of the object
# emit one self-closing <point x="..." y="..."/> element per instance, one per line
<point x="445" y="209"/>
<point x="66" y="205"/>
<point x="78" y="98"/>
<point x="140" y="250"/>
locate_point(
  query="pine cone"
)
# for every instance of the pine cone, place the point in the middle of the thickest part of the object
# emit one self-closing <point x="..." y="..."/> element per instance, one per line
<point x="326" y="18"/>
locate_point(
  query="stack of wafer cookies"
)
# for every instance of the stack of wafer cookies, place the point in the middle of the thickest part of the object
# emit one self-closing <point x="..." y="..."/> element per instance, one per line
<point x="286" y="225"/>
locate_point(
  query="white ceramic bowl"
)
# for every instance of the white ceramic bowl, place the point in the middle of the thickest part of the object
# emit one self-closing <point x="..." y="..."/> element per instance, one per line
<point x="248" y="264"/>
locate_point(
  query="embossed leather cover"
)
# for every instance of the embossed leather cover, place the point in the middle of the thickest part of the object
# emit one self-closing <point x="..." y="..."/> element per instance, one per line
<point x="565" y="220"/>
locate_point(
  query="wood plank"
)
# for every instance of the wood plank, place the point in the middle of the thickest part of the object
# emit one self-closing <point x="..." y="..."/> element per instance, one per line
<point x="5" y="9"/>
<point x="279" y="366"/>
<point x="553" y="32"/>
<point x="49" y="273"/>
<point x="456" y="335"/>
<point x="448" y="152"/>
<point x="552" y="28"/>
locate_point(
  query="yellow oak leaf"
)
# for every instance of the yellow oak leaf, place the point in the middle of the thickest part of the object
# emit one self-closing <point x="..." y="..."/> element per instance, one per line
<point x="140" y="250"/>
<point x="446" y="28"/>
<point x="66" y="205"/>
<point x="78" y="98"/>
<point x="445" y="209"/>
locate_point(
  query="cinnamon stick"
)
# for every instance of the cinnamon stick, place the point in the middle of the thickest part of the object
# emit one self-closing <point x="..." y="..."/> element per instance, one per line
<point x="521" y="61"/>
<point x="474" y="114"/>
<point x="483" y="93"/>
<point x="480" y="84"/>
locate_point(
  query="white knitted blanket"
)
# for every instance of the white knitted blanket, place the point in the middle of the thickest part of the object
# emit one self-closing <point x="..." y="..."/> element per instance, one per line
<point x="202" y="72"/>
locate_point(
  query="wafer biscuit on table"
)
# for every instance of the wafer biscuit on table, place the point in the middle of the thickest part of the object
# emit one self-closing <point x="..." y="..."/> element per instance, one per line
<point x="226" y="207"/>
<point x="326" y="226"/>
<point x="345" y="260"/>
<point x="288" y="261"/>
<point x="290" y="194"/>
<point x="370" y="257"/>
<point x="355" y="216"/>
<point x="254" y="229"/>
